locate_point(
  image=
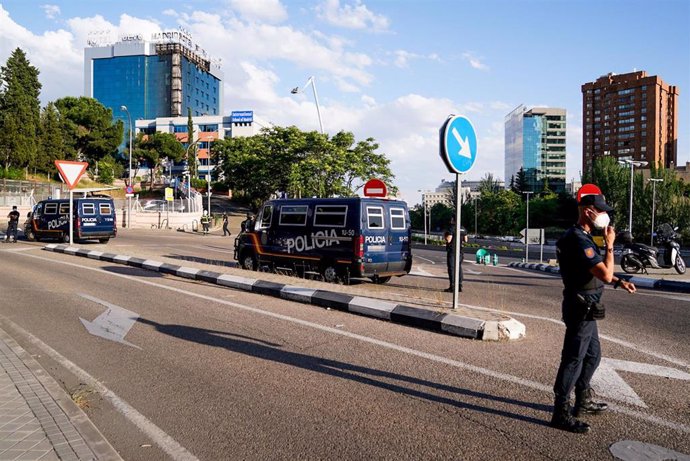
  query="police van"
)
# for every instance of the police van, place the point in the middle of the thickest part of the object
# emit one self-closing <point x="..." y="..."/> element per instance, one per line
<point x="339" y="238"/>
<point x="94" y="218"/>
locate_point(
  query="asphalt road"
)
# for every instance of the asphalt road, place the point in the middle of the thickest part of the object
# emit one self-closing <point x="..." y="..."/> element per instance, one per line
<point x="222" y="374"/>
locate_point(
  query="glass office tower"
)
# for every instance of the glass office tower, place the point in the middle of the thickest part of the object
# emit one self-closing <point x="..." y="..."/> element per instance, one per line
<point x="152" y="80"/>
<point x="535" y="142"/>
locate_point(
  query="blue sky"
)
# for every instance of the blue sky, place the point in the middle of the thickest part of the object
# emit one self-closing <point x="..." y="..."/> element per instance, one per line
<point x="391" y="70"/>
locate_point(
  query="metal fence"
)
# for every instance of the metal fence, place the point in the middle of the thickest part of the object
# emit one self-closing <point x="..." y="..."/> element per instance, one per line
<point x="27" y="193"/>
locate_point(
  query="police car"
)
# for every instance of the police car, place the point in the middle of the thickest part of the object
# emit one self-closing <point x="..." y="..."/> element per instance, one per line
<point x="339" y="238"/>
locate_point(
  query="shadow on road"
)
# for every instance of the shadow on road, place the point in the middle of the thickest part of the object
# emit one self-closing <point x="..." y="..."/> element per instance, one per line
<point x="395" y="382"/>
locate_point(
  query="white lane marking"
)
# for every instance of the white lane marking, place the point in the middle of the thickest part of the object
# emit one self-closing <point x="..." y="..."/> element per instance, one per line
<point x="425" y="259"/>
<point x="16" y="250"/>
<point x="112" y="324"/>
<point x="421" y="272"/>
<point x="159" y="437"/>
<point x="365" y="339"/>
<point x="609" y="383"/>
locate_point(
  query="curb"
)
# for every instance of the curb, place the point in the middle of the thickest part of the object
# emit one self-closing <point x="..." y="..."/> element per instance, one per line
<point x="457" y="325"/>
<point x="640" y="282"/>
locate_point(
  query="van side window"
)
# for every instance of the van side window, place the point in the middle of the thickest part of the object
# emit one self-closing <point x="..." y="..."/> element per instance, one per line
<point x="265" y="221"/>
<point x="330" y="215"/>
<point x="398" y="219"/>
<point x="64" y="208"/>
<point x="374" y="217"/>
<point x="104" y="209"/>
<point x="88" y="208"/>
<point x="38" y="211"/>
<point x="293" y="215"/>
<point x="51" y="208"/>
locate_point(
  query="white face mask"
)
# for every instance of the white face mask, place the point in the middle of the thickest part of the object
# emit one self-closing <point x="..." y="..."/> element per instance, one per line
<point x="601" y="221"/>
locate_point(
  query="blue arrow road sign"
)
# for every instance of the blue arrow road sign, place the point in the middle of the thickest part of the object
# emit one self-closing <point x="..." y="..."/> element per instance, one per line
<point x="458" y="144"/>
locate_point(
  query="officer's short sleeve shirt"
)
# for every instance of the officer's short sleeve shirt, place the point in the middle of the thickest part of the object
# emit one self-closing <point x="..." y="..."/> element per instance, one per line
<point x="577" y="254"/>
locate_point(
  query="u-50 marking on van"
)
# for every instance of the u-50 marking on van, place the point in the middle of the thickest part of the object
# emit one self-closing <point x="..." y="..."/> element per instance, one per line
<point x="340" y="238"/>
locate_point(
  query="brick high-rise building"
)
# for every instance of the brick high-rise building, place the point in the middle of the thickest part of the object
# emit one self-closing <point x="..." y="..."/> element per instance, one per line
<point x="631" y="116"/>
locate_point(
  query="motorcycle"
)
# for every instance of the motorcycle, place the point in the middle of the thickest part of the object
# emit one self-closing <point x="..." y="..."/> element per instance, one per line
<point x="637" y="257"/>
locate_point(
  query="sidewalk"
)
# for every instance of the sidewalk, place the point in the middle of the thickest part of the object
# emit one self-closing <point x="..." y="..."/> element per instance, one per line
<point x="38" y="420"/>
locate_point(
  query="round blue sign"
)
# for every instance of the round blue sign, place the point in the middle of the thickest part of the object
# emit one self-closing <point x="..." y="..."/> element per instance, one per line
<point x="458" y="144"/>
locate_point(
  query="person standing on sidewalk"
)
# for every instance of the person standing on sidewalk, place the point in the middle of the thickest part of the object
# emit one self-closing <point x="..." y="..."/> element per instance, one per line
<point x="584" y="273"/>
<point x="12" y="223"/>
<point x="225" y="225"/>
<point x="450" y="258"/>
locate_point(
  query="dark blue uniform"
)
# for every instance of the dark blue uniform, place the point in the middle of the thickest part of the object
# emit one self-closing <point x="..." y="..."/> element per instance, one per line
<point x="450" y="262"/>
<point x="577" y="253"/>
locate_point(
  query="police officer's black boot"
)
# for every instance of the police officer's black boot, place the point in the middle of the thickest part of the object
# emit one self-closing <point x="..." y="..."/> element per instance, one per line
<point x="585" y="405"/>
<point x="562" y="419"/>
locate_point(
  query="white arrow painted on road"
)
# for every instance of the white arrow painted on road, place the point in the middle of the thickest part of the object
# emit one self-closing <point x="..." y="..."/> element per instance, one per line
<point x="608" y="382"/>
<point x="113" y="324"/>
<point x="464" y="144"/>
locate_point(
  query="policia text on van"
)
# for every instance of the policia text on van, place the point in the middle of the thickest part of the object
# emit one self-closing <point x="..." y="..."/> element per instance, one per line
<point x="340" y="238"/>
<point x="94" y="218"/>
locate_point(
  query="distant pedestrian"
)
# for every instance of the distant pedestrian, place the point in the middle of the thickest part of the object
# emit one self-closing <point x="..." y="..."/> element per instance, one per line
<point x="205" y="222"/>
<point x="225" y="225"/>
<point x="13" y="220"/>
<point x="450" y="259"/>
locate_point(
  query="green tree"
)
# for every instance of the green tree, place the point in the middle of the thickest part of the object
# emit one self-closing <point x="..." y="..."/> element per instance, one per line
<point x="89" y="131"/>
<point x="153" y="148"/>
<point x="489" y="184"/>
<point x="301" y="164"/>
<point x="191" y="160"/>
<point x="519" y="182"/>
<point x="19" y="111"/>
<point x="51" y="143"/>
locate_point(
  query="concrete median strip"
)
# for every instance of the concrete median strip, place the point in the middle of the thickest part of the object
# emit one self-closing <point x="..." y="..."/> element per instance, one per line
<point x="504" y="328"/>
<point x="640" y="282"/>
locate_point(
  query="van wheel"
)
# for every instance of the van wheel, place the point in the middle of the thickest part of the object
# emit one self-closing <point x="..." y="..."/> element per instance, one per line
<point x="330" y="274"/>
<point x="104" y="240"/>
<point x="248" y="262"/>
<point x="381" y="280"/>
<point x="65" y="238"/>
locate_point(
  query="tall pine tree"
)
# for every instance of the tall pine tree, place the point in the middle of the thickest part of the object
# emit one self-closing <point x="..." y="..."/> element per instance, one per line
<point x="51" y="140"/>
<point x="19" y="111"/>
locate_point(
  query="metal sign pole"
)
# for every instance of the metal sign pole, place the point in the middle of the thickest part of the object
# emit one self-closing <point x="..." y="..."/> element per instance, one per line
<point x="71" y="218"/>
<point x="457" y="241"/>
<point x="541" y="247"/>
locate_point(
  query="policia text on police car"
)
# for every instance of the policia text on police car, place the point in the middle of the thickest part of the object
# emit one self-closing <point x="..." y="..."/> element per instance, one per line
<point x="584" y="272"/>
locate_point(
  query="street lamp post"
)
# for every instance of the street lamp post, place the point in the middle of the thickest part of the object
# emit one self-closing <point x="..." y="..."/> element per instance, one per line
<point x="311" y="80"/>
<point x="475" y="217"/>
<point x="527" y="228"/>
<point x="424" y="205"/>
<point x="653" y="181"/>
<point x="129" y="199"/>
<point x="196" y="167"/>
<point x="633" y="164"/>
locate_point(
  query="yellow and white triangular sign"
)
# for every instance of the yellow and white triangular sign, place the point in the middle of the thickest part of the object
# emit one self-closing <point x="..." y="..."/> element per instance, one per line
<point x="71" y="171"/>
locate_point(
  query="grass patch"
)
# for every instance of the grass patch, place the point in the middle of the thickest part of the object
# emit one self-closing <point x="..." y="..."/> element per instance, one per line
<point x="80" y="396"/>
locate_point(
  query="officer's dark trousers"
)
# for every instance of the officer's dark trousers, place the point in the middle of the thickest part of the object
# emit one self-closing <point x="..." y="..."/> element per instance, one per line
<point x="450" y="261"/>
<point x="579" y="359"/>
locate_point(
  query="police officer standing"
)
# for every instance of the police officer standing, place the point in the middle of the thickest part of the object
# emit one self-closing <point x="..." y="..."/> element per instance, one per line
<point x="13" y="221"/>
<point x="205" y="221"/>
<point x="450" y="258"/>
<point x="248" y="224"/>
<point x="584" y="272"/>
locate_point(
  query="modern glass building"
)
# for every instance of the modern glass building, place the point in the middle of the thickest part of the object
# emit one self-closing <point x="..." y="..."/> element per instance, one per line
<point x="535" y="142"/>
<point x="153" y="78"/>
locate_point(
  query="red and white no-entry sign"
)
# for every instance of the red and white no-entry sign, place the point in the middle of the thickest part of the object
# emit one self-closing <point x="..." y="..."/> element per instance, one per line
<point x="588" y="189"/>
<point x="375" y="188"/>
<point x="70" y="171"/>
